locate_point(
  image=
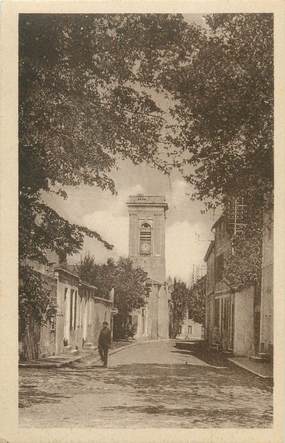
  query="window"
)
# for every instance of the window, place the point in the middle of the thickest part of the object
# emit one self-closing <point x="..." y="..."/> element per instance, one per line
<point x="219" y="267"/>
<point x="71" y="309"/>
<point x="217" y="313"/>
<point x="223" y="229"/>
<point x="145" y="239"/>
<point x="75" y="310"/>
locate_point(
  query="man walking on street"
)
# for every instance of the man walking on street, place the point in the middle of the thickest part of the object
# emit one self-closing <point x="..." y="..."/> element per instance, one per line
<point x="104" y="343"/>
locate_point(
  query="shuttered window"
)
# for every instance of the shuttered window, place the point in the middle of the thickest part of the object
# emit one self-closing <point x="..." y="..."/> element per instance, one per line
<point x="219" y="267"/>
<point x="145" y="239"/>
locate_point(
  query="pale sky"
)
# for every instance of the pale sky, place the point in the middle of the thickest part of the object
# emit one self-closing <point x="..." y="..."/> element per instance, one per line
<point x="187" y="230"/>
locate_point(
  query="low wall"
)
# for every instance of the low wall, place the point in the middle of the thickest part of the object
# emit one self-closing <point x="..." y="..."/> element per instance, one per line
<point x="266" y="308"/>
<point x="244" y="322"/>
<point x="266" y="314"/>
<point x="100" y="311"/>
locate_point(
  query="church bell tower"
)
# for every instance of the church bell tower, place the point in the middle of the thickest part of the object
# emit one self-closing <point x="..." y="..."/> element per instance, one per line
<point x="147" y="214"/>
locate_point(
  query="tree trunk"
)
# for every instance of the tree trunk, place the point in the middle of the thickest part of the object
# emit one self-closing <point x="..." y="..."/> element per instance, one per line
<point x="30" y="342"/>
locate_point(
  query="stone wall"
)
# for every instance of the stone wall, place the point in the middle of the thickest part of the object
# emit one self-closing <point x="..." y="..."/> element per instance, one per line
<point x="67" y="309"/>
<point x="47" y="344"/>
<point x="243" y="322"/>
<point x="100" y="311"/>
<point x="266" y="308"/>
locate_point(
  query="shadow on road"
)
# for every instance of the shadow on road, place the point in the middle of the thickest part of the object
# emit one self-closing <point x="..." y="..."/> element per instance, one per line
<point x="211" y="358"/>
<point x="182" y="351"/>
<point x="36" y="396"/>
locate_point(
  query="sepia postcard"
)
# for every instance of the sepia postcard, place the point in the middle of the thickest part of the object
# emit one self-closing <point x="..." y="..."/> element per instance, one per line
<point x="142" y="223"/>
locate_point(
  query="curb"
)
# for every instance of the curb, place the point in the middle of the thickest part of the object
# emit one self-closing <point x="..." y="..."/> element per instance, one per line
<point x="141" y="342"/>
<point x="67" y="362"/>
<point x="50" y="364"/>
<point x="240" y="365"/>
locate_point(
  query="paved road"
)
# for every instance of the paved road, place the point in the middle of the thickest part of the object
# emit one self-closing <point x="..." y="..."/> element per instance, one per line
<point x="147" y="385"/>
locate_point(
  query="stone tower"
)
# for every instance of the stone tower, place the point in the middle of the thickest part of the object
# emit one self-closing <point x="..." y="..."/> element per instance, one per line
<point x="147" y="215"/>
<point x="147" y="233"/>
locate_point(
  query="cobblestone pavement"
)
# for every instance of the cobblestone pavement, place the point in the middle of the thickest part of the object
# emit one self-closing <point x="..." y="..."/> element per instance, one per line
<point x="147" y="385"/>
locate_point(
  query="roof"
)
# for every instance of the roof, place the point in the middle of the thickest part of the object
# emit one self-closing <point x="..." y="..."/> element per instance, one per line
<point x="84" y="283"/>
<point x="147" y="200"/>
<point x="209" y="250"/>
<point x="218" y="221"/>
<point x="153" y="281"/>
<point x="63" y="268"/>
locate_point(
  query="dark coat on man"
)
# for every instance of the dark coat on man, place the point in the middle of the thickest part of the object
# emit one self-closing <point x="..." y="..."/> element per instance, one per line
<point x="104" y="340"/>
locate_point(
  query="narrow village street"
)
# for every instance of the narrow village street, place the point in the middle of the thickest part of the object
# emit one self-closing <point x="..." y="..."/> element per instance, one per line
<point x="146" y="385"/>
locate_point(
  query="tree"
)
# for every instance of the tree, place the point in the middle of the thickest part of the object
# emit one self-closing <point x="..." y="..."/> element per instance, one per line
<point x="197" y="301"/>
<point x="224" y="108"/>
<point x="100" y="275"/>
<point x="128" y="281"/>
<point x="243" y="266"/>
<point x="30" y="308"/>
<point x="179" y="302"/>
<point x="37" y="306"/>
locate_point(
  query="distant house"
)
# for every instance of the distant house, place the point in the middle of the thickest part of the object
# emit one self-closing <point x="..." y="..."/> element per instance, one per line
<point x="191" y="330"/>
<point x="229" y="313"/>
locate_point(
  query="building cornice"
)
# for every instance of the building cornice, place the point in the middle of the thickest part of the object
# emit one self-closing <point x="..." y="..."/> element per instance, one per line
<point x="66" y="271"/>
<point x="209" y="250"/>
<point x="153" y="201"/>
<point x="218" y="221"/>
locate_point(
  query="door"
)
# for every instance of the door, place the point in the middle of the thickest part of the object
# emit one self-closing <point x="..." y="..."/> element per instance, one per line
<point x="85" y="320"/>
<point x="227" y="323"/>
<point x="66" y="331"/>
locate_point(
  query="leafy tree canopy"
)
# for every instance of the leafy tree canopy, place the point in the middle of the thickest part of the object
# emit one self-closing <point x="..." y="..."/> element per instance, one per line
<point x="244" y="263"/>
<point x="128" y="281"/>
<point x="197" y="301"/>
<point x="225" y="108"/>
<point x="185" y="299"/>
<point x="179" y="302"/>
